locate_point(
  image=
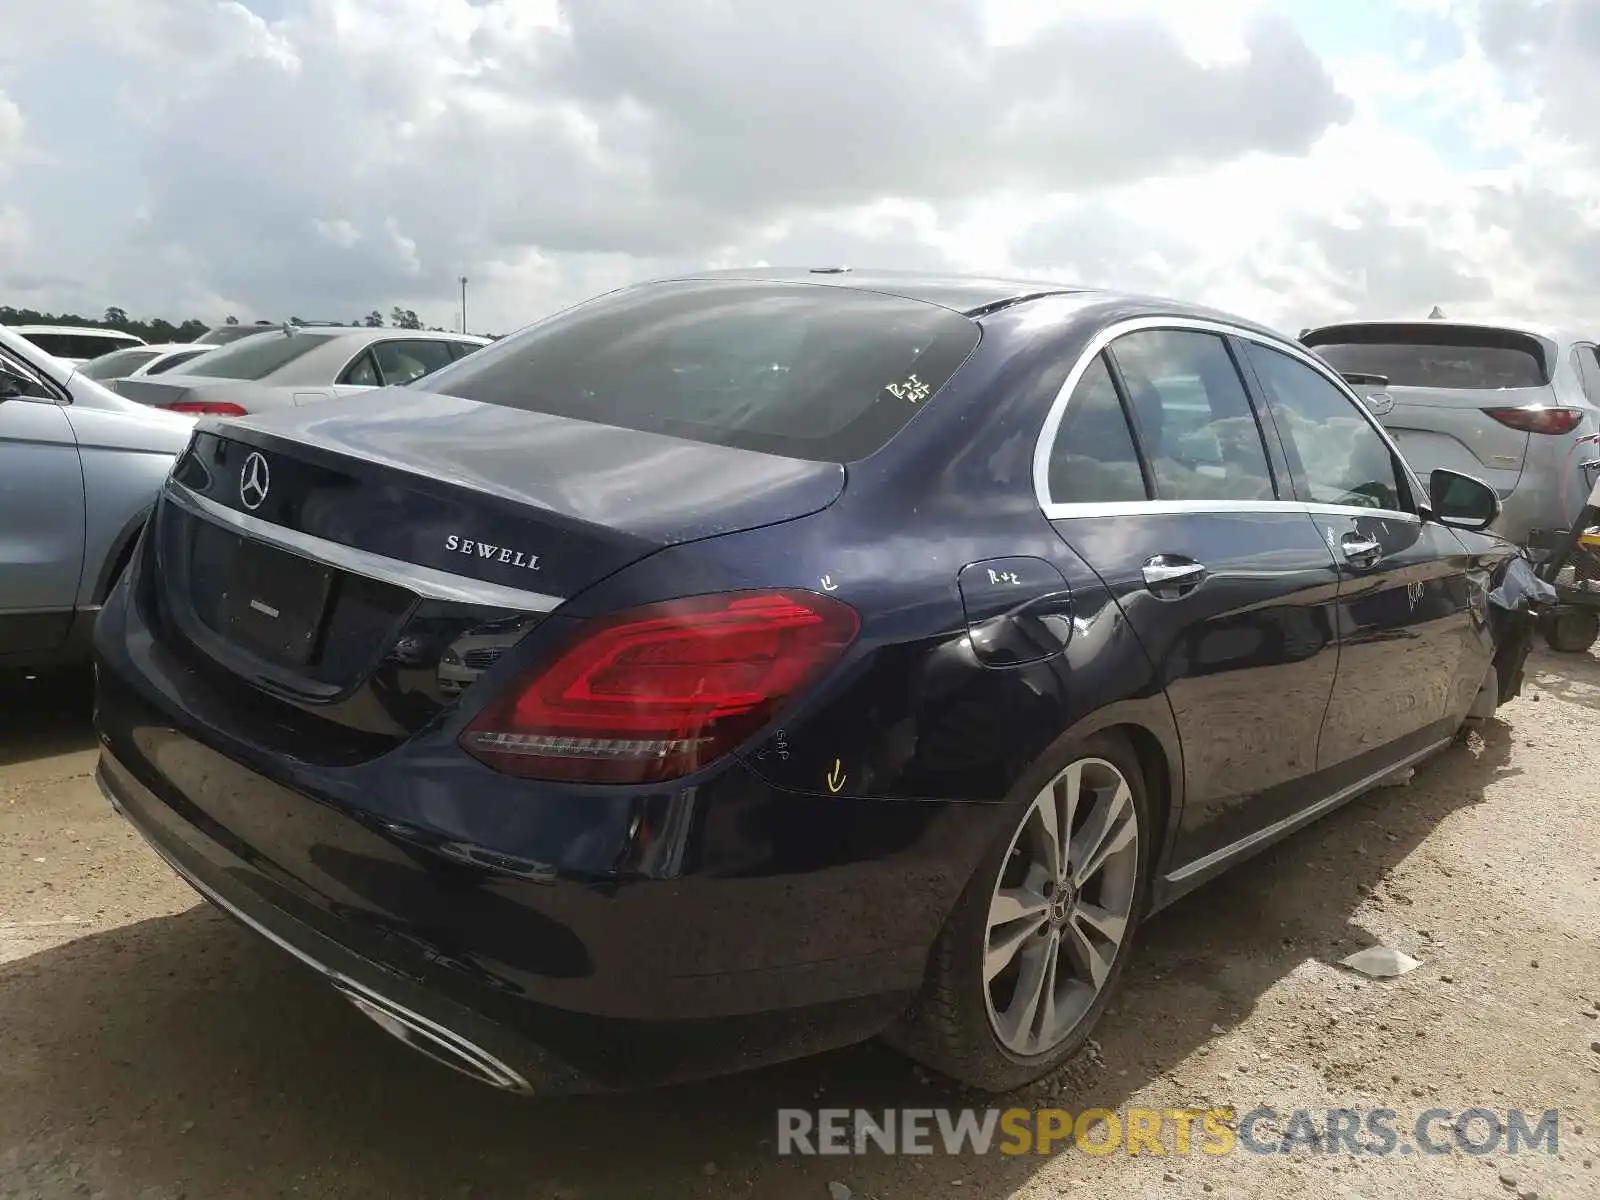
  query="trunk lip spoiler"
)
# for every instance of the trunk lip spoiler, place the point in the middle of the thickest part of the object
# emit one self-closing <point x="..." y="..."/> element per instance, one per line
<point x="427" y="582"/>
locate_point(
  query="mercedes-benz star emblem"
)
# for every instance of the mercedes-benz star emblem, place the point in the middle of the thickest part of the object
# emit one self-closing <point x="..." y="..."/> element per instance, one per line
<point x="254" y="480"/>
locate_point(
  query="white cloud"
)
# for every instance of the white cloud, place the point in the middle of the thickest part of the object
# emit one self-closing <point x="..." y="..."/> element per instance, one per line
<point x="13" y="237"/>
<point x="11" y="129"/>
<point x="338" y="231"/>
<point x="325" y="157"/>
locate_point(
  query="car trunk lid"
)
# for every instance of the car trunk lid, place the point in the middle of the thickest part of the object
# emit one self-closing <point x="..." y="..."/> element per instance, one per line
<point x="365" y="562"/>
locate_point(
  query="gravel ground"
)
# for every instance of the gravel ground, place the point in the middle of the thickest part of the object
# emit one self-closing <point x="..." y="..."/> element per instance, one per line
<point x="149" y="1048"/>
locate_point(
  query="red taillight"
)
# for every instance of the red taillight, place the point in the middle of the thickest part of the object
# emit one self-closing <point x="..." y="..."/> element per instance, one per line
<point x="1536" y="418"/>
<point x="657" y="692"/>
<point x="211" y="408"/>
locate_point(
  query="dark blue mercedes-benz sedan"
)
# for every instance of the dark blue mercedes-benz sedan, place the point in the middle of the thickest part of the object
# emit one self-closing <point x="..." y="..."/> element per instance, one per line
<point x="738" y="666"/>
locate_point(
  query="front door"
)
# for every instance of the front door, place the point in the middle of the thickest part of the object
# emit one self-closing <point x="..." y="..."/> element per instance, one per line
<point x="1222" y="576"/>
<point x="1411" y="656"/>
<point x="41" y="517"/>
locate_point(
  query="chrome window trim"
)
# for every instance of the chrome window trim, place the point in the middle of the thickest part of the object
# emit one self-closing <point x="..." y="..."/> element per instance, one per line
<point x="1052" y="425"/>
<point x="1129" y="508"/>
<point x="427" y="582"/>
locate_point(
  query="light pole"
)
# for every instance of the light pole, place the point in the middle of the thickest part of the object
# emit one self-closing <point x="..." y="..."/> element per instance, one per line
<point x="463" y="304"/>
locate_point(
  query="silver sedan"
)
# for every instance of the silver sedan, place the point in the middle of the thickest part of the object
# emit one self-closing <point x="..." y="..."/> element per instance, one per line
<point x="295" y="365"/>
<point x="79" y="472"/>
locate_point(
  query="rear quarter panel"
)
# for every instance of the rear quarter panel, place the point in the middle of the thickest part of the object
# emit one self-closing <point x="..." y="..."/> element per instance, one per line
<point x="126" y="458"/>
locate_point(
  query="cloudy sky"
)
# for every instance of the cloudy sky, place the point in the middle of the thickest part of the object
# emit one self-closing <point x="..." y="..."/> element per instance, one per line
<point x="1292" y="160"/>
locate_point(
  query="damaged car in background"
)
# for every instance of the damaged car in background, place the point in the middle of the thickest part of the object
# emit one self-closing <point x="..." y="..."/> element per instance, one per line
<point x="743" y="665"/>
<point x="1514" y="405"/>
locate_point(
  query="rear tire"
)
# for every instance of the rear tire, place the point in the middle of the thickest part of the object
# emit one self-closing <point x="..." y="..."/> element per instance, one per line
<point x="1571" y="630"/>
<point x="1036" y="946"/>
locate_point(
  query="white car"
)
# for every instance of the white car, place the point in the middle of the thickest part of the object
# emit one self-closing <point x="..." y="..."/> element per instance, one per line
<point x="295" y="365"/>
<point x="141" y="360"/>
<point x="75" y="344"/>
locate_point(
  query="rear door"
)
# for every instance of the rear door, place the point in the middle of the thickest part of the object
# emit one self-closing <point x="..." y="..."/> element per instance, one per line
<point x="41" y="517"/>
<point x="1410" y="654"/>
<point x="1441" y="379"/>
<point x="1222" y="576"/>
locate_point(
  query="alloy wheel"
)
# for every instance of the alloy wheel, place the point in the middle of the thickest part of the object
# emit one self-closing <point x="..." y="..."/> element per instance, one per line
<point x="1061" y="907"/>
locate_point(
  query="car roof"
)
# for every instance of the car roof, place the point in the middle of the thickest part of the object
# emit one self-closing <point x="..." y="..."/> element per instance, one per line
<point x="970" y="295"/>
<point x="360" y="333"/>
<point x="77" y="329"/>
<point x="980" y="295"/>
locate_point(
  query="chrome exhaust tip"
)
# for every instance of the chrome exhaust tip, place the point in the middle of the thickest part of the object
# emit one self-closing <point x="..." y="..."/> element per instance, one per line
<point x="438" y="1043"/>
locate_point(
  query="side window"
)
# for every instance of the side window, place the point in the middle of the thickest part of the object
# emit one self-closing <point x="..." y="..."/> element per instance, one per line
<point x="362" y="372"/>
<point x="1589" y="371"/>
<point x="174" y="361"/>
<point x="1094" y="458"/>
<point x="404" y="361"/>
<point x="17" y="380"/>
<point x="1343" y="459"/>
<point x="1195" y="421"/>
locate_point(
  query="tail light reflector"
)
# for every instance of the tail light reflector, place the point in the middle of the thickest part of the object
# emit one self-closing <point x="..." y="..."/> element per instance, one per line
<point x="211" y="408"/>
<point x="1537" y="418"/>
<point x="657" y="692"/>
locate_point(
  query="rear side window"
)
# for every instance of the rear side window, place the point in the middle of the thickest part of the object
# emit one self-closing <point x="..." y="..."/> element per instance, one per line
<point x="805" y="371"/>
<point x="361" y="373"/>
<point x="1435" y="356"/>
<point x="117" y="365"/>
<point x="1094" y="458"/>
<point x="77" y="345"/>
<point x="256" y="357"/>
<point x="1195" y="420"/>
<point x="1342" y="458"/>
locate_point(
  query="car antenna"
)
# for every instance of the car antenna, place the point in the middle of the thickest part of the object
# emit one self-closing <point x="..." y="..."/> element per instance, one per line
<point x="1437" y="314"/>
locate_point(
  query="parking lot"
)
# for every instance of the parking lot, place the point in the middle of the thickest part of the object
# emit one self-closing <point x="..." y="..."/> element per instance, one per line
<point x="151" y="1048"/>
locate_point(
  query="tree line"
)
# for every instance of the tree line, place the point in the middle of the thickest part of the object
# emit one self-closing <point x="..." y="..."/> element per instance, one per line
<point x="159" y="329"/>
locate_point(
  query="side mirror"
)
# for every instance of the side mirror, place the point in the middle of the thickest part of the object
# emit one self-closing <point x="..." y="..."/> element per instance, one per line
<point x="1461" y="501"/>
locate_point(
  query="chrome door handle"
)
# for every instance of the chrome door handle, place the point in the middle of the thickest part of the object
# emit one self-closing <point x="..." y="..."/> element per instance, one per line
<point x="1170" y="575"/>
<point x="1360" y="551"/>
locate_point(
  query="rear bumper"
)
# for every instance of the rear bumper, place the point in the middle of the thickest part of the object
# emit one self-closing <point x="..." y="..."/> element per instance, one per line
<point x="741" y="924"/>
<point x="453" y="1035"/>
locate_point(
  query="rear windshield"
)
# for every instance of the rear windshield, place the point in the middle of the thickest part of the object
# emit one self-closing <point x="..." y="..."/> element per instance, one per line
<point x="223" y="334"/>
<point x="257" y="357"/>
<point x="1435" y="356"/>
<point x="77" y="345"/>
<point x="805" y="371"/>
<point x="118" y="364"/>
